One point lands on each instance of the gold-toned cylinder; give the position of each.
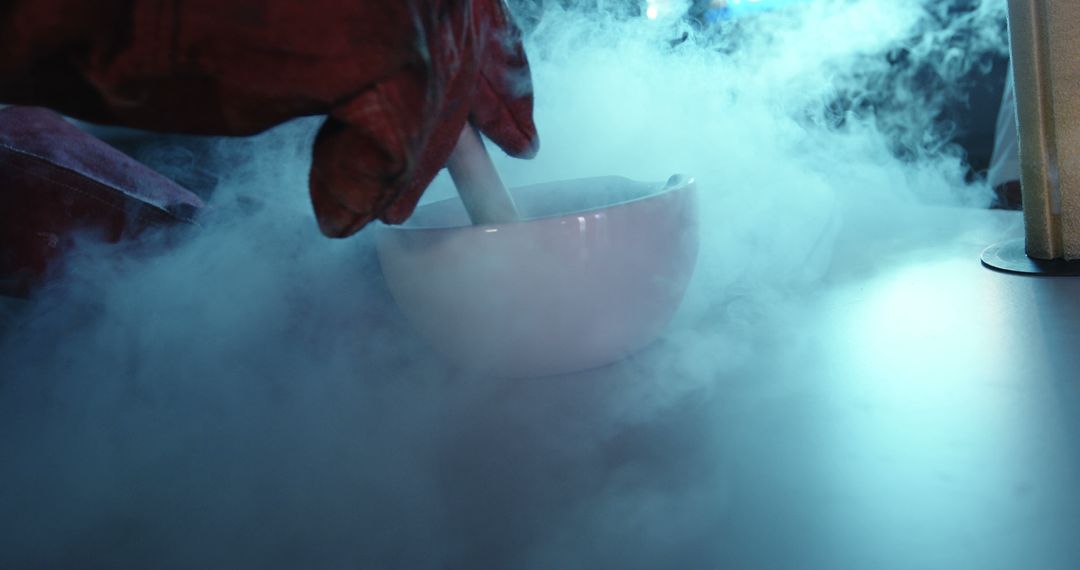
(1045, 44)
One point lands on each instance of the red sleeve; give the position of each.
(199, 66)
(47, 46)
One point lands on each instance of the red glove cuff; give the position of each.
(56, 180)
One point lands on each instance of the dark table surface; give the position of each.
(910, 409)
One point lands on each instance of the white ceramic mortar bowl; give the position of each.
(594, 272)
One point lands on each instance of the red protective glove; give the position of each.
(56, 181)
(398, 79)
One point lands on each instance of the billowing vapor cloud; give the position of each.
(246, 394)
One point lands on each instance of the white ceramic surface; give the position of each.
(594, 272)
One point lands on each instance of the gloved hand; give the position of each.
(397, 79)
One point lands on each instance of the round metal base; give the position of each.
(1010, 257)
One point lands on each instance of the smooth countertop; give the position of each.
(909, 409)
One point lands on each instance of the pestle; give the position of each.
(485, 197)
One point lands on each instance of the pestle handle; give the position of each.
(482, 191)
